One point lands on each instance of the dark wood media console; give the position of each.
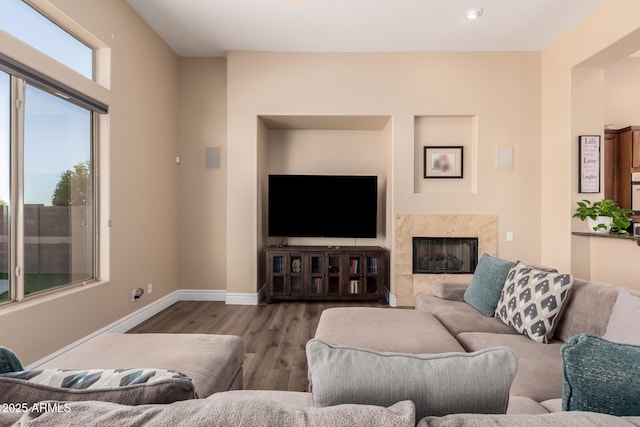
(326, 273)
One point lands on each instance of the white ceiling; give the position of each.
(213, 27)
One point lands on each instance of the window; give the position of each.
(5, 138)
(48, 181)
(27, 24)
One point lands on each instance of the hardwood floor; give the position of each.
(274, 335)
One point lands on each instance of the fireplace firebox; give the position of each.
(440, 255)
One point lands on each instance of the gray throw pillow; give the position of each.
(438, 384)
(127, 386)
(486, 285)
(624, 320)
(600, 376)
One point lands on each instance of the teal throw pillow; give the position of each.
(600, 376)
(486, 285)
(9, 362)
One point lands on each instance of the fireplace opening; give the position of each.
(439, 255)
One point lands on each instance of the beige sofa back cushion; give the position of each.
(587, 310)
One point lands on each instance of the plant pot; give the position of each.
(593, 224)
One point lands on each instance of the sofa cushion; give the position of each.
(486, 285)
(564, 419)
(438, 384)
(458, 316)
(624, 320)
(127, 386)
(539, 365)
(588, 309)
(221, 410)
(453, 291)
(532, 301)
(385, 329)
(213, 362)
(600, 376)
(525, 405)
(295, 398)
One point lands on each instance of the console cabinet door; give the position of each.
(334, 281)
(317, 274)
(355, 283)
(374, 275)
(285, 274)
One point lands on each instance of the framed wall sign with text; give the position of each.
(589, 163)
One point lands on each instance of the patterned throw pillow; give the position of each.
(532, 301)
(126, 386)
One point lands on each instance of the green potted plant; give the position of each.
(604, 216)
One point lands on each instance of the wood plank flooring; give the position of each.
(274, 335)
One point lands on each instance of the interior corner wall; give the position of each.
(501, 89)
(387, 150)
(202, 118)
(587, 118)
(143, 182)
(604, 35)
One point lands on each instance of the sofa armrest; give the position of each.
(453, 291)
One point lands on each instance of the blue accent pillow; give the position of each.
(600, 376)
(486, 285)
(9, 362)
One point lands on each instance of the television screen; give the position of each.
(323, 205)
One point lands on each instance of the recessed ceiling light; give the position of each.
(473, 13)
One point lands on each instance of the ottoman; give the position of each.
(214, 362)
(386, 330)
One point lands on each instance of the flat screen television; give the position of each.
(323, 205)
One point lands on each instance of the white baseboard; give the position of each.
(134, 319)
(201, 295)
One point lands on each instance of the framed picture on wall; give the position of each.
(443, 161)
(589, 163)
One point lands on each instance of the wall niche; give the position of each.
(439, 131)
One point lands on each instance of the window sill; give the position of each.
(11, 306)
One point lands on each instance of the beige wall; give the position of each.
(202, 114)
(139, 169)
(500, 90)
(606, 260)
(621, 86)
(582, 75)
(598, 42)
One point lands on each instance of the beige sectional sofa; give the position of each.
(357, 346)
(539, 374)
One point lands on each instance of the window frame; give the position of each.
(26, 64)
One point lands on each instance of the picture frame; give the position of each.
(443, 161)
(589, 163)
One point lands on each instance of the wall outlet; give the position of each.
(149, 288)
(136, 294)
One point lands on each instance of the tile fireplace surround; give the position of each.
(407, 284)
